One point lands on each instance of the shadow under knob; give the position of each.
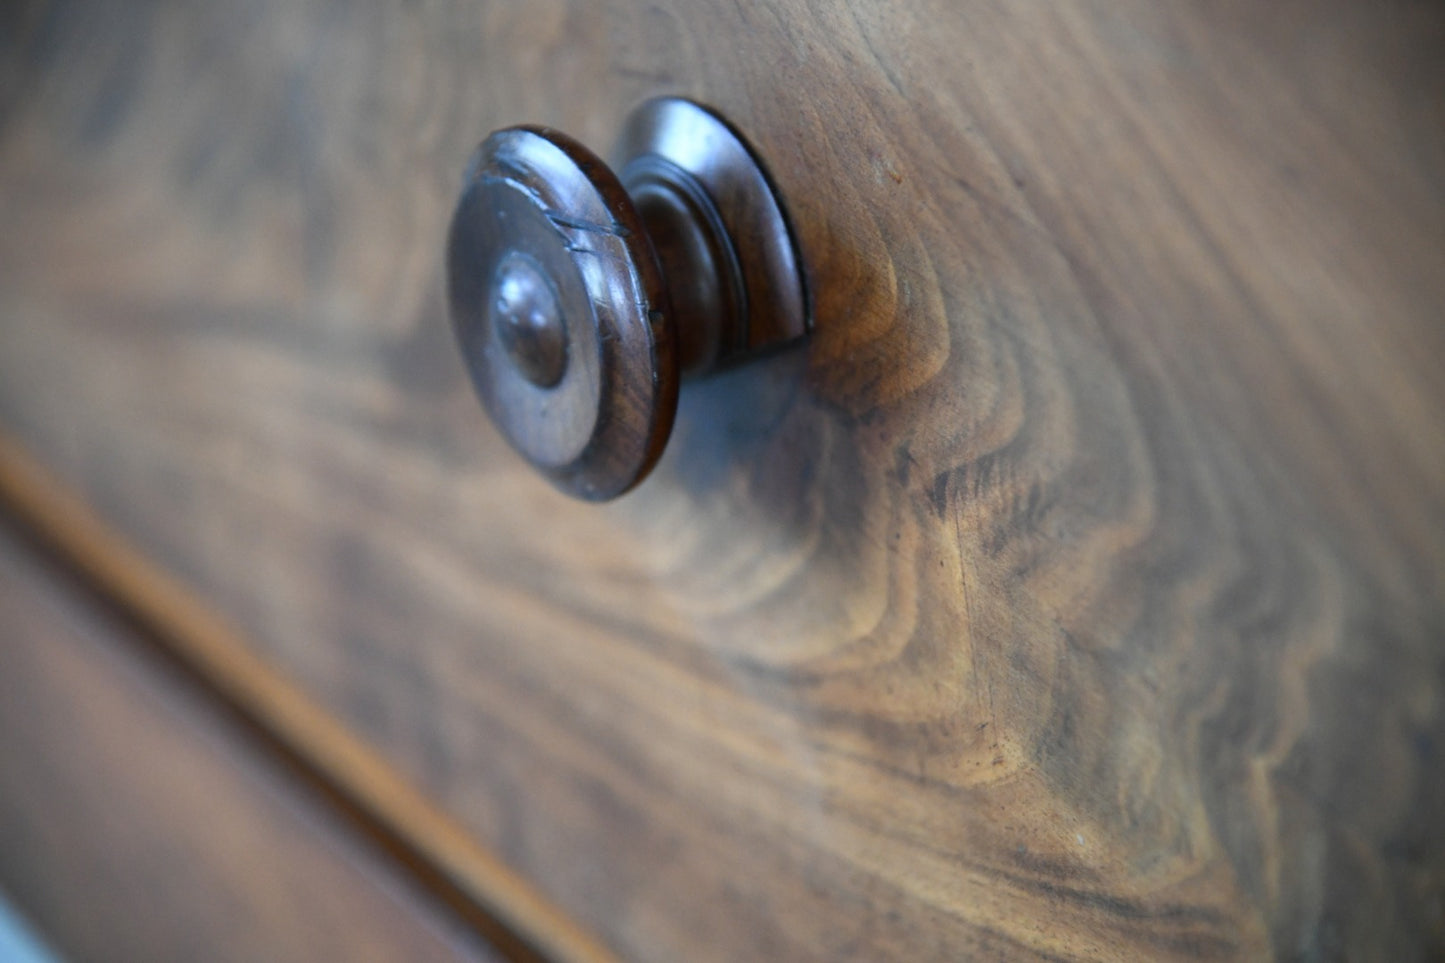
(580, 297)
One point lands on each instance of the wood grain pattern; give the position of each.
(1078, 593)
(138, 827)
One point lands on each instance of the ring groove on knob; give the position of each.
(711, 155)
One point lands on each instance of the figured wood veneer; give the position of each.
(1078, 593)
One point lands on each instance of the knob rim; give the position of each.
(537, 193)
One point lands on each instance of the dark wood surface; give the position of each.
(139, 826)
(1078, 592)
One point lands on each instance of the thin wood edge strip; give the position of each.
(432, 849)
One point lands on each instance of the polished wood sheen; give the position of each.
(580, 296)
(1078, 593)
(139, 826)
(539, 205)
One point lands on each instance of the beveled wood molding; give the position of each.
(428, 848)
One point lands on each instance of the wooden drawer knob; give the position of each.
(580, 297)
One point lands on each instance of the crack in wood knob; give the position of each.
(581, 297)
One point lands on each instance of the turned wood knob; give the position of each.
(581, 297)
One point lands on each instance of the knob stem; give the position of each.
(718, 226)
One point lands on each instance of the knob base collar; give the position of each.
(730, 258)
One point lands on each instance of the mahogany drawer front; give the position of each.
(1075, 592)
(138, 826)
